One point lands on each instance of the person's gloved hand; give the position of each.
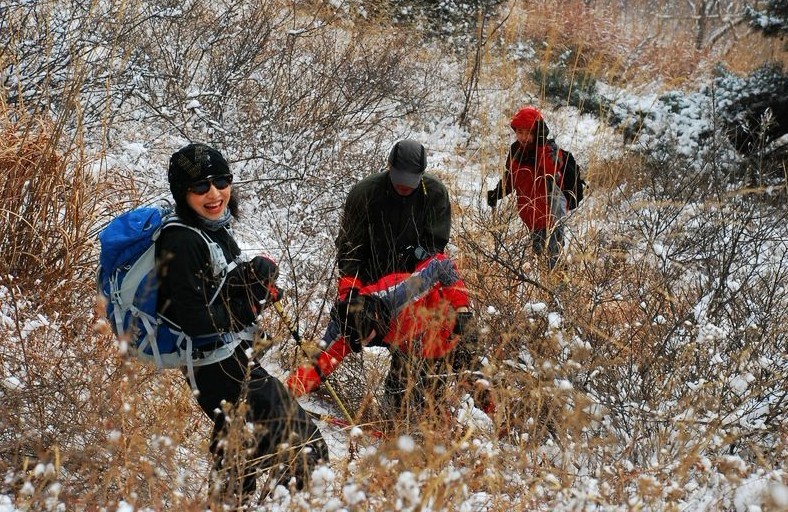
(486, 401)
(304, 380)
(353, 296)
(261, 274)
(346, 285)
(464, 354)
(263, 269)
(275, 293)
(494, 195)
(358, 317)
(492, 198)
(463, 323)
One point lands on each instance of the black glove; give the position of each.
(358, 316)
(262, 292)
(412, 255)
(494, 195)
(492, 198)
(263, 269)
(462, 323)
(352, 295)
(275, 293)
(261, 274)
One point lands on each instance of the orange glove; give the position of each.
(484, 397)
(304, 380)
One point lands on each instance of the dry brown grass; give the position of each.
(74, 410)
(638, 45)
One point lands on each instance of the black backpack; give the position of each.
(573, 185)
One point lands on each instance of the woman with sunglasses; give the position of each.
(218, 307)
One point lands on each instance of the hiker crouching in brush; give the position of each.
(285, 439)
(394, 224)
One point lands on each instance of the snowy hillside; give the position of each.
(649, 375)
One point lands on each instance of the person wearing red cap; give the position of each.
(533, 171)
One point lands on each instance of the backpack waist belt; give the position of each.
(202, 357)
(210, 348)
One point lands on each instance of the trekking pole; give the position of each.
(291, 325)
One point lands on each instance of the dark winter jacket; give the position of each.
(187, 285)
(532, 174)
(379, 225)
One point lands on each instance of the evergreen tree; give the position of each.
(772, 19)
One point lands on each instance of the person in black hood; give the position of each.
(217, 308)
(393, 219)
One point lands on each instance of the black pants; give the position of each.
(551, 241)
(413, 382)
(277, 418)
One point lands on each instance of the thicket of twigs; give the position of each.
(654, 366)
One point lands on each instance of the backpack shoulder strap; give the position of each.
(221, 267)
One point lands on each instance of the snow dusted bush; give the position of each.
(713, 128)
(455, 19)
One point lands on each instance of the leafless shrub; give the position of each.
(669, 332)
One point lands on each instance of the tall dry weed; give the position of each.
(636, 42)
(80, 425)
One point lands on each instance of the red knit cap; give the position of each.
(526, 118)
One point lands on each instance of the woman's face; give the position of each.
(211, 204)
(524, 137)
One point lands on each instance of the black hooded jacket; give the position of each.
(378, 224)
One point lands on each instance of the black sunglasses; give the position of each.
(202, 187)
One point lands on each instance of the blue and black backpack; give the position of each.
(128, 280)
